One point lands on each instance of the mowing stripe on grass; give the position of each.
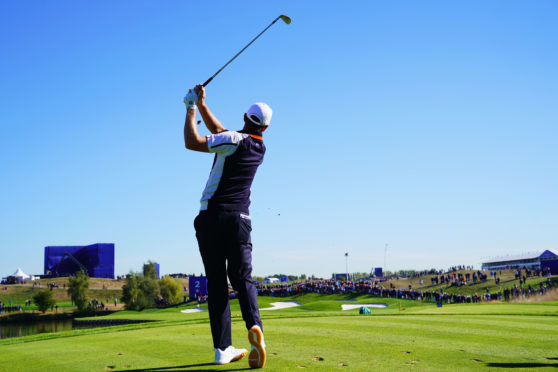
(325, 340)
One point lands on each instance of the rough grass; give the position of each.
(19, 293)
(551, 295)
(94, 283)
(507, 280)
(420, 336)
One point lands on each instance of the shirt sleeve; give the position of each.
(224, 143)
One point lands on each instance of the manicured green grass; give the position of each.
(322, 337)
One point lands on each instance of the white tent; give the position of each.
(21, 276)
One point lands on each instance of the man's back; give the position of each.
(237, 157)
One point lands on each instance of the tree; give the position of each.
(259, 279)
(44, 299)
(130, 291)
(79, 285)
(139, 292)
(149, 287)
(149, 270)
(170, 289)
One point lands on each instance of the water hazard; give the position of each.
(19, 329)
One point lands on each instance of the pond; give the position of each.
(8, 330)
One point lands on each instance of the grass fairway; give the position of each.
(316, 335)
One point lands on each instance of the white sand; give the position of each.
(276, 305)
(358, 306)
(196, 310)
(282, 305)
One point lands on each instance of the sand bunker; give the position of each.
(189, 311)
(282, 305)
(358, 306)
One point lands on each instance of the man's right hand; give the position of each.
(200, 91)
(209, 119)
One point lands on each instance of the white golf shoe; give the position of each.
(256, 359)
(230, 354)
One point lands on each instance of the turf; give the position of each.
(322, 337)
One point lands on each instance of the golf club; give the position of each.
(283, 17)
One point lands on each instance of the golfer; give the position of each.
(223, 225)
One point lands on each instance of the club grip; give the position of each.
(208, 81)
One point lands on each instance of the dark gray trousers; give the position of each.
(226, 250)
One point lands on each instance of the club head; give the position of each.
(285, 19)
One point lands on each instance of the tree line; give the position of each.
(142, 290)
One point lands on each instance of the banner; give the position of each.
(197, 286)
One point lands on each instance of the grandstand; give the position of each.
(547, 260)
(97, 260)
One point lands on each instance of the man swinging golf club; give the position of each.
(223, 224)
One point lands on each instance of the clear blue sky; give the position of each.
(431, 126)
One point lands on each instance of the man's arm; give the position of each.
(211, 122)
(192, 140)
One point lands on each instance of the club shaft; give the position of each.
(237, 54)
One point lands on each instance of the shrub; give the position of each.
(44, 300)
(170, 289)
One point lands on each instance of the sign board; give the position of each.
(341, 277)
(551, 265)
(197, 285)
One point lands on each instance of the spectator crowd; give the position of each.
(377, 288)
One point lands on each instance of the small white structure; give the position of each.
(21, 276)
(271, 280)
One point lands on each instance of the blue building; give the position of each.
(537, 261)
(97, 260)
(156, 265)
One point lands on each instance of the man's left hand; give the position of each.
(191, 99)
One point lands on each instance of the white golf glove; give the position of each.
(191, 99)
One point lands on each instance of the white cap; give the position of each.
(259, 113)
